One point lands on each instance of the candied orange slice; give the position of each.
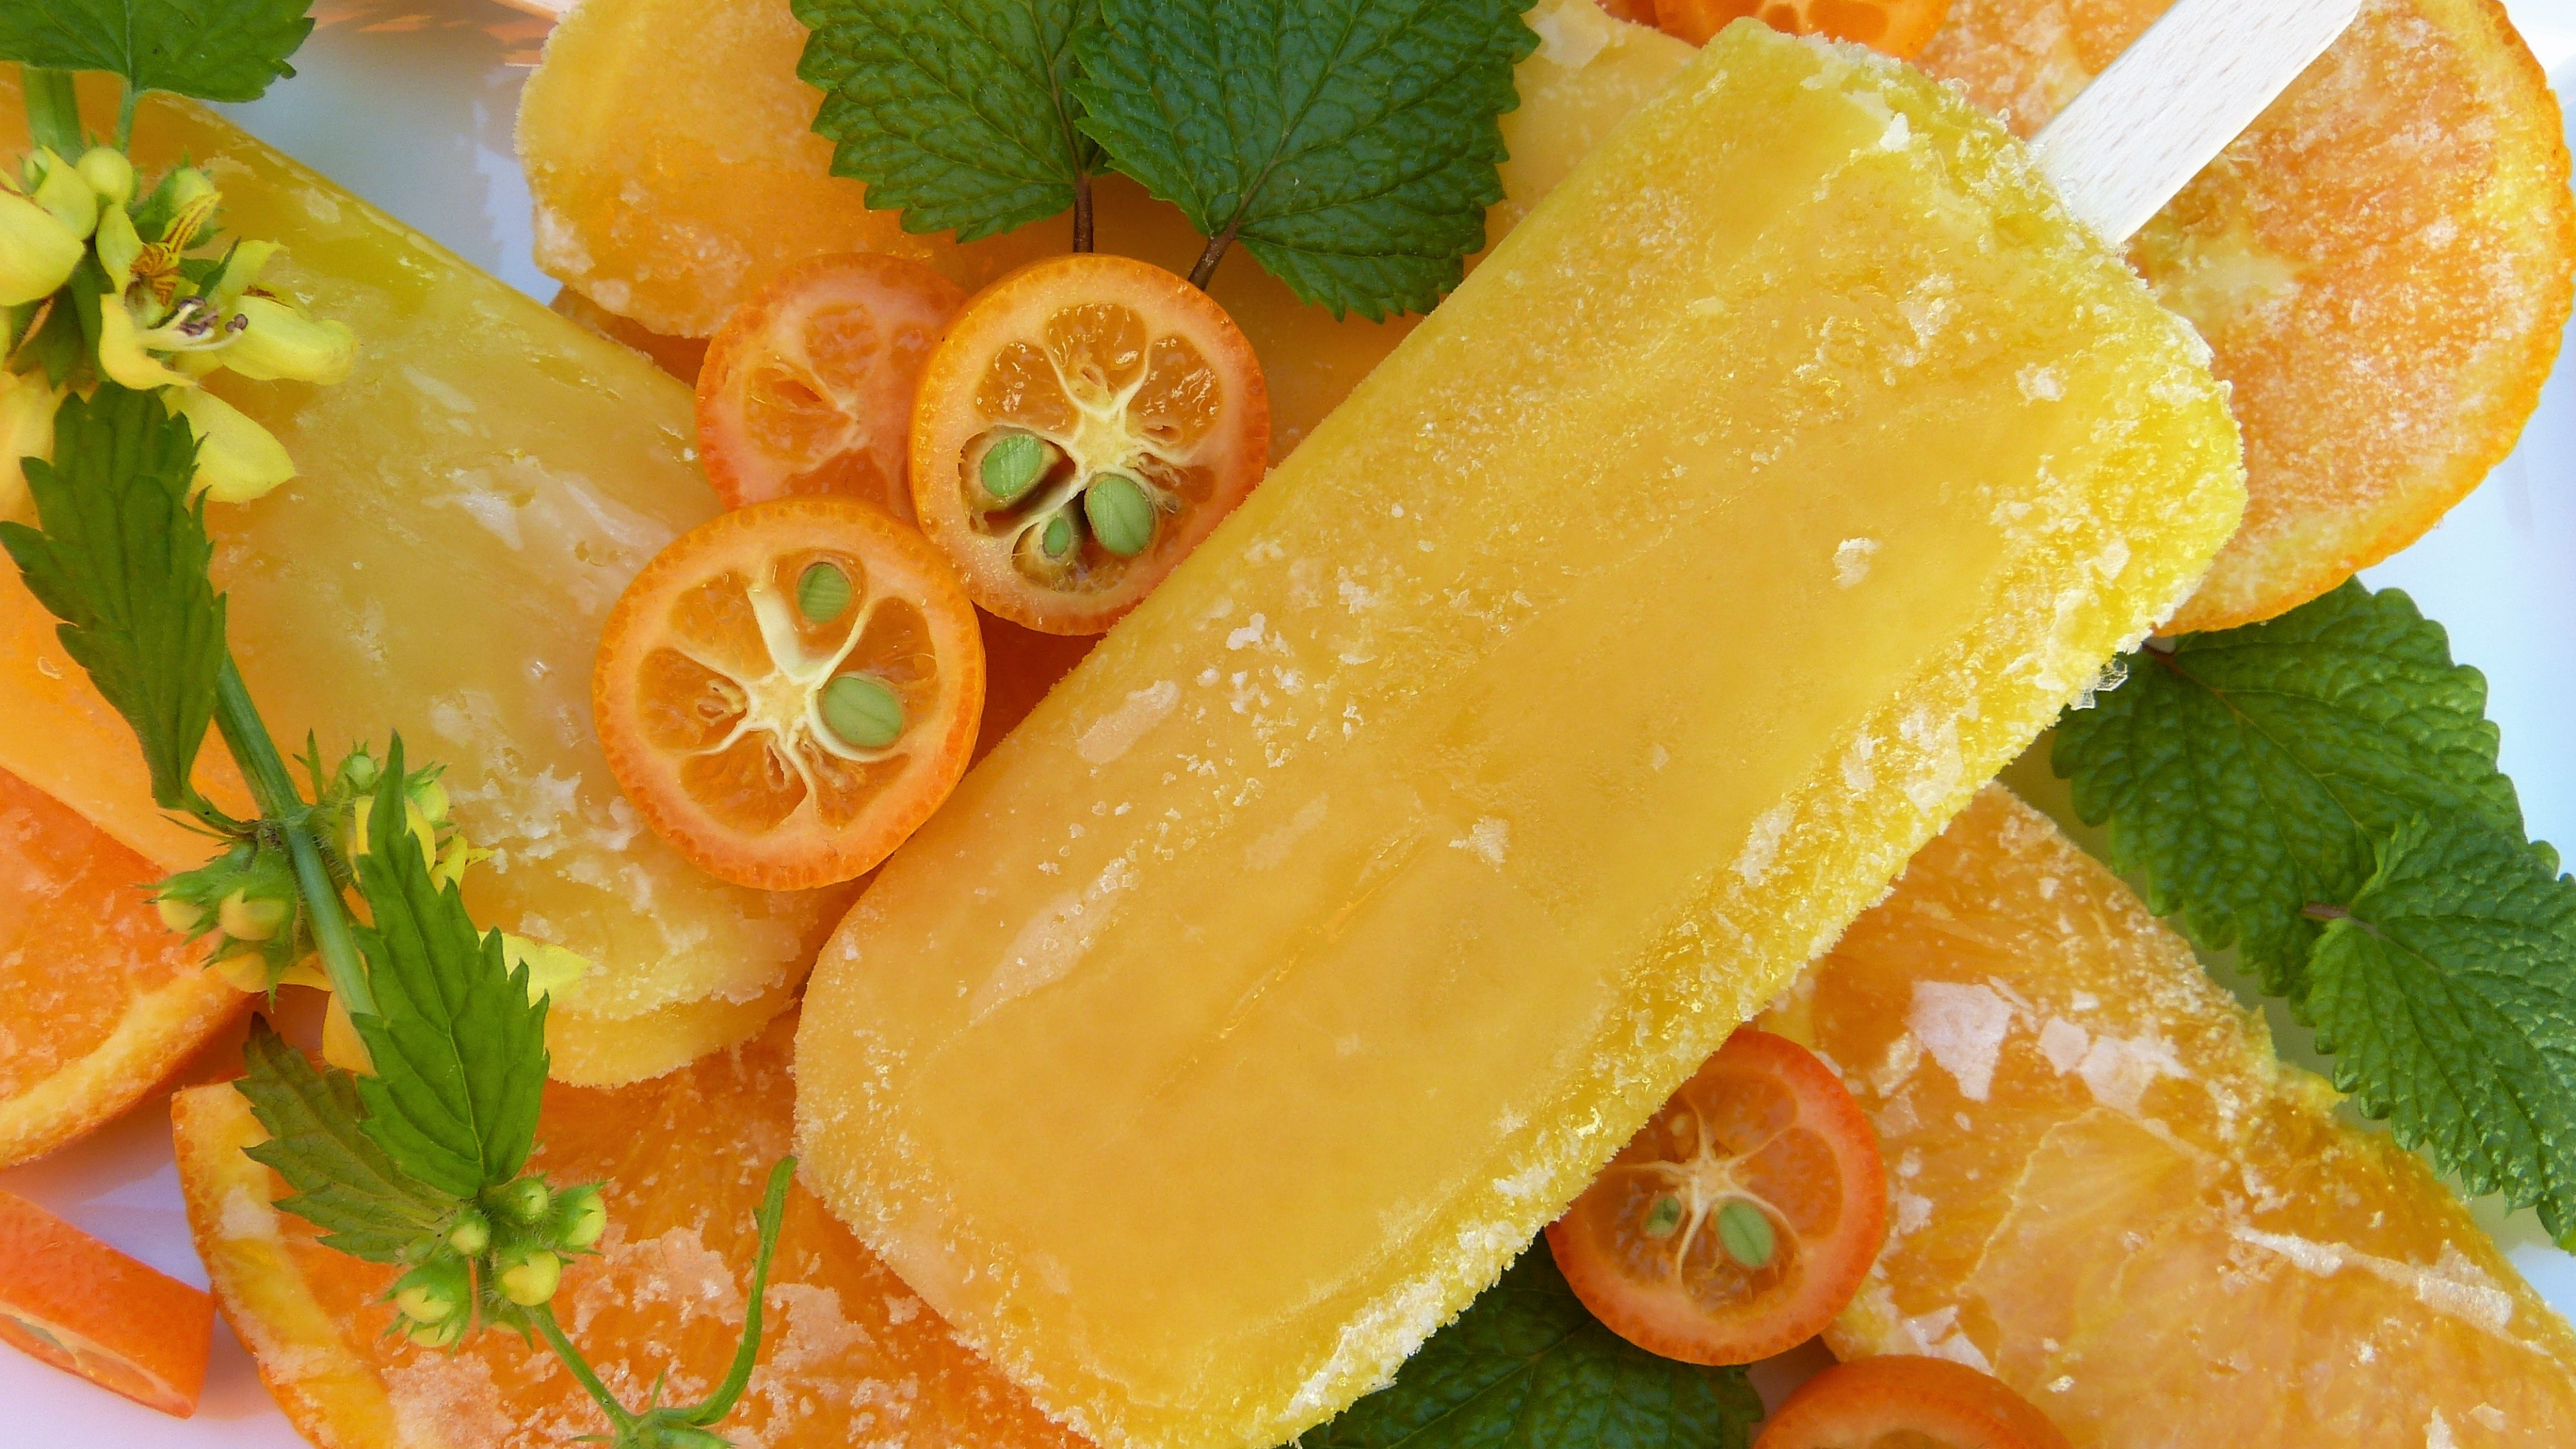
(104, 1001)
(1907, 1401)
(681, 357)
(86, 1308)
(1086, 421)
(789, 690)
(849, 1355)
(1738, 1222)
(1891, 27)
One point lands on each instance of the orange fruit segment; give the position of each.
(2381, 265)
(104, 1001)
(1907, 1401)
(1738, 1221)
(1085, 422)
(788, 690)
(1891, 27)
(808, 388)
(85, 1308)
(2108, 1190)
(850, 1356)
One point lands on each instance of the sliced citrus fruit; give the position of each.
(808, 387)
(1907, 1401)
(1891, 27)
(1086, 421)
(1737, 1223)
(2108, 1190)
(84, 1307)
(104, 1001)
(2381, 265)
(788, 690)
(679, 356)
(850, 1356)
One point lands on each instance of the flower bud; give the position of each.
(438, 1335)
(185, 917)
(436, 1291)
(188, 186)
(121, 352)
(64, 193)
(667, 1435)
(283, 340)
(244, 970)
(523, 1201)
(245, 917)
(237, 459)
(429, 796)
(581, 1215)
(37, 252)
(533, 1279)
(109, 174)
(27, 407)
(360, 769)
(471, 1233)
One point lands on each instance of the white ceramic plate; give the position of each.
(411, 106)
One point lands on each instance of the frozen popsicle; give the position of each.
(1583, 674)
(474, 498)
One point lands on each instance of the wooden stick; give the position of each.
(2174, 100)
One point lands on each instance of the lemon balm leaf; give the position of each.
(214, 50)
(958, 114)
(1528, 1364)
(342, 1182)
(459, 1049)
(1350, 145)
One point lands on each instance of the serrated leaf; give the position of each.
(2246, 774)
(2448, 998)
(214, 50)
(1350, 145)
(1528, 1365)
(121, 559)
(459, 1050)
(343, 1182)
(957, 114)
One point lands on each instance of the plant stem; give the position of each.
(279, 801)
(1208, 259)
(618, 1419)
(53, 111)
(125, 117)
(1082, 212)
(773, 1208)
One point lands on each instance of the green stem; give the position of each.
(279, 801)
(53, 111)
(773, 1209)
(125, 117)
(618, 1419)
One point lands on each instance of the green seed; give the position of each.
(1746, 1232)
(862, 711)
(822, 593)
(1058, 538)
(1664, 1216)
(1122, 518)
(1015, 463)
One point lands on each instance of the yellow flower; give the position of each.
(283, 340)
(119, 248)
(551, 968)
(122, 353)
(237, 459)
(63, 191)
(109, 174)
(37, 252)
(27, 407)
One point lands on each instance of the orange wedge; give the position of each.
(2106, 1189)
(2381, 264)
(85, 1308)
(1893, 27)
(104, 1001)
(850, 1355)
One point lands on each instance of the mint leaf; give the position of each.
(343, 1182)
(214, 50)
(459, 1050)
(958, 114)
(121, 559)
(1349, 144)
(1527, 1364)
(2448, 998)
(2247, 773)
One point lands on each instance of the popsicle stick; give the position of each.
(2174, 100)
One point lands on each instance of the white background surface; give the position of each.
(411, 105)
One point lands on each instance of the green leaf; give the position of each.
(958, 114)
(343, 1182)
(2246, 774)
(1350, 145)
(121, 560)
(2448, 998)
(214, 50)
(1528, 1365)
(459, 1050)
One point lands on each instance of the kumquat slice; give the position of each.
(1086, 421)
(807, 388)
(1891, 27)
(1909, 1401)
(86, 1308)
(789, 690)
(1741, 1219)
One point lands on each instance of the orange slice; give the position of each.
(1086, 421)
(2381, 265)
(807, 388)
(85, 1308)
(850, 1356)
(1892, 27)
(1906, 1401)
(679, 356)
(789, 690)
(1737, 1223)
(2108, 1190)
(104, 1001)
